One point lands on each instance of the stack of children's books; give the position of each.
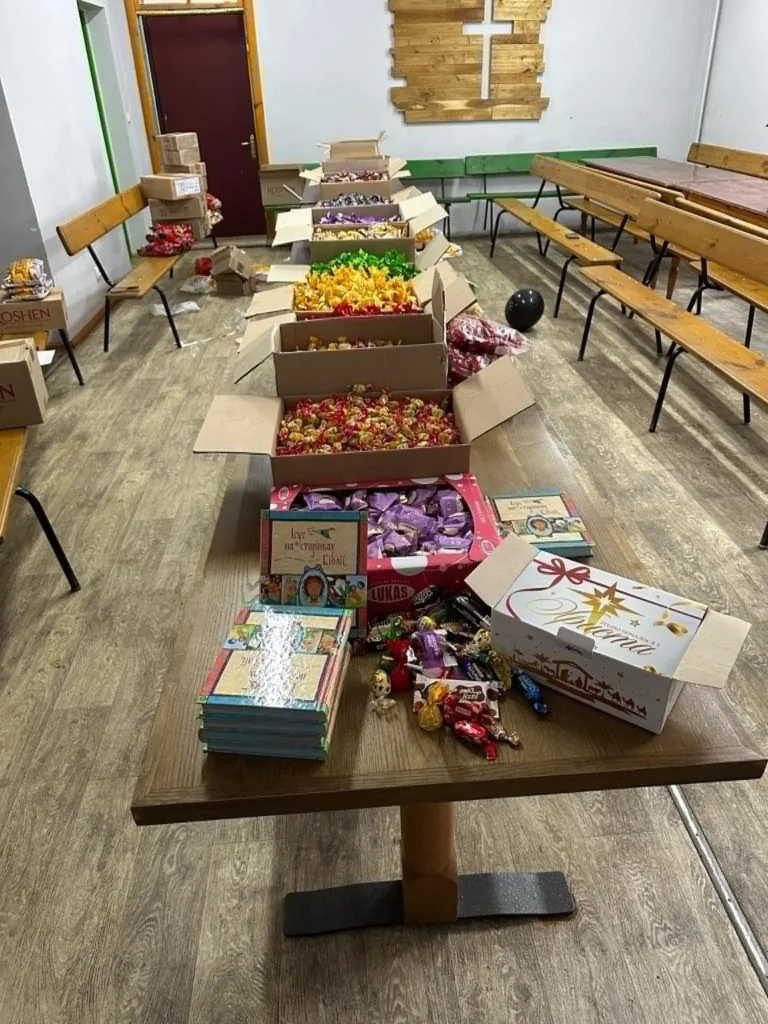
(275, 688)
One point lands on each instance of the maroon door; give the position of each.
(200, 70)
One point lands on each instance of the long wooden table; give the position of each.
(380, 761)
(740, 195)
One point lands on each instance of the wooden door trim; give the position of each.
(134, 10)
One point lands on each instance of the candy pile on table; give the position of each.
(338, 177)
(358, 422)
(442, 652)
(382, 229)
(475, 342)
(169, 239)
(346, 344)
(402, 521)
(26, 279)
(358, 282)
(355, 199)
(344, 217)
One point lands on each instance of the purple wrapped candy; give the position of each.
(420, 497)
(449, 502)
(380, 501)
(431, 646)
(446, 543)
(455, 524)
(322, 502)
(397, 544)
(412, 519)
(375, 548)
(356, 501)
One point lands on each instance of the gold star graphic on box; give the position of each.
(602, 603)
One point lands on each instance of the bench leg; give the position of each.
(169, 314)
(495, 231)
(750, 326)
(588, 324)
(214, 240)
(556, 214)
(674, 352)
(485, 214)
(659, 344)
(563, 276)
(593, 229)
(71, 353)
(764, 539)
(695, 300)
(584, 224)
(50, 534)
(107, 306)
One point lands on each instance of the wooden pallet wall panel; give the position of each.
(438, 67)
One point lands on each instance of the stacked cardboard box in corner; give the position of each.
(180, 156)
(231, 269)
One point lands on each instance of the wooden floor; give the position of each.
(101, 921)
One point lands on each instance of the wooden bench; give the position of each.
(13, 443)
(82, 232)
(440, 171)
(735, 250)
(506, 165)
(738, 160)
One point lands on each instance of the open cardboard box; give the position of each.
(354, 149)
(417, 213)
(458, 294)
(248, 425)
(622, 647)
(419, 361)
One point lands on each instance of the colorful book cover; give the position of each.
(546, 519)
(316, 560)
(280, 662)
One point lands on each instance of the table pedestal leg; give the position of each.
(430, 891)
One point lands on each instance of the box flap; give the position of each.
(240, 424)
(458, 296)
(428, 218)
(438, 304)
(258, 344)
(488, 398)
(275, 300)
(433, 252)
(280, 272)
(405, 193)
(499, 570)
(712, 653)
(313, 176)
(289, 232)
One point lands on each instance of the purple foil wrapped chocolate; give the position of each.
(420, 497)
(356, 501)
(322, 502)
(455, 524)
(447, 543)
(375, 548)
(449, 502)
(382, 500)
(398, 544)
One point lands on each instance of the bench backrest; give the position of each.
(722, 218)
(738, 160)
(92, 225)
(619, 194)
(433, 170)
(737, 250)
(520, 163)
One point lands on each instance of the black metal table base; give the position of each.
(379, 904)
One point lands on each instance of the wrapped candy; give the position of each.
(475, 342)
(380, 690)
(356, 422)
(26, 280)
(400, 676)
(531, 691)
(339, 177)
(395, 627)
(355, 199)
(380, 230)
(348, 217)
(361, 288)
(169, 239)
(429, 716)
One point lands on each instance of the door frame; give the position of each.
(136, 10)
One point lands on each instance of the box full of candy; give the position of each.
(420, 532)
(366, 435)
(613, 643)
(368, 175)
(405, 351)
(331, 233)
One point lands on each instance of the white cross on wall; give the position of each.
(487, 30)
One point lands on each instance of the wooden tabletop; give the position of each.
(668, 173)
(13, 441)
(384, 761)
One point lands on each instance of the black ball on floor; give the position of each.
(524, 309)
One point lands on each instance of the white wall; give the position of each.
(736, 112)
(619, 73)
(48, 89)
(19, 233)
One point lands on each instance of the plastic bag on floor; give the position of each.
(197, 285)
(177, 309)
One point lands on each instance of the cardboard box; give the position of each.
(177, 140)
(393, 582)
(417, 213)
(274, 178)
(179, 148)
(48, 314)
(200, 228)
(23, 395)
(233, 286)
(617, 645)
(354, 148)
(248, 424)
(193, 167)
(230, 261)
(458, 293)
(191, 208)
(419, 362)
(170, 186)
